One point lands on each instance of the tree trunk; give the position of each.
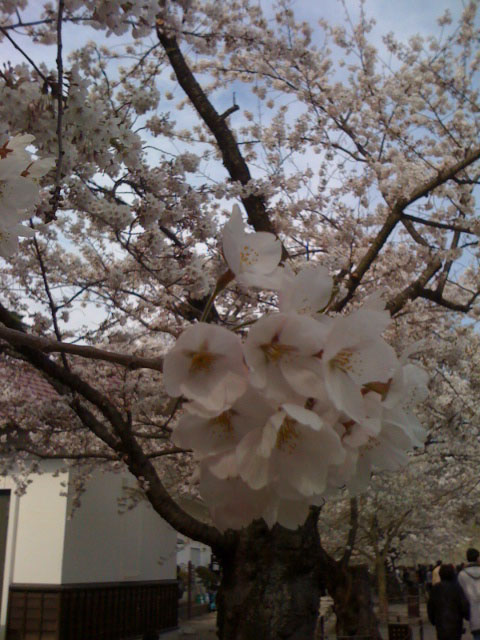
(271, 584)
(351, 592)
(382, 587)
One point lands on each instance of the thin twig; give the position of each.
(51, 301)
(55, 199)
(7, 35)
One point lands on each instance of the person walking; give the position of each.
(469, 580)
(447, 605)
(436, 572)
(429, 580)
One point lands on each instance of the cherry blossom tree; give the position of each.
(243, 294)
(415, 517)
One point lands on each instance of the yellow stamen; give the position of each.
(342, 360)
(287, 435)
(222, 424)
(202, 361)
(274, 351)
(248, 255)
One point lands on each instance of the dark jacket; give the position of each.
(447, 606)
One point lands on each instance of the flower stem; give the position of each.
(222, 282)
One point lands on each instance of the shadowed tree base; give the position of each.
(272, 581)
(270, 587)
(351, 592)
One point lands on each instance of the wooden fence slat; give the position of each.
(112, 611)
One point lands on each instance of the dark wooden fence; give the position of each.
(104, 611)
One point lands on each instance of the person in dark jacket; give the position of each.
(447, 605)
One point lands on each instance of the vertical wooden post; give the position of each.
(189, 593)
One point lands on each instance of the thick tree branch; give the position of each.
(19, 338)
(443, 175)
(409, 226)
(437, 297)
(216, 123)
(122, 441)
(396, 212)
(438, 225)
(352, 533)
(364, 264)
(416, 288)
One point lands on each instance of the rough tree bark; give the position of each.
(351, 592)
(271, 584)
(272, 581)
(381, 573)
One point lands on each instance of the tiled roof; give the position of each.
(25, 379)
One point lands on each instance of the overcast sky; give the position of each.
(404, 17)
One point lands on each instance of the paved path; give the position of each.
(203, 627)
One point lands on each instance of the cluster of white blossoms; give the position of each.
(19, 190)
(306, 404)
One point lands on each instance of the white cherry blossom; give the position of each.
(291, 453)
(233, 504)
(283, 352)
(307, 292)
(16, 195)
(206, 365)
(207, 434)
(10, 231)
(354, 355)
(400, 430)
(19, 190)
(253, 257)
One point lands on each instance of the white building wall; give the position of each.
(159, 547)
(40, 529)
(6, 483)
(96, 545)
(36, 525)
(103, 545)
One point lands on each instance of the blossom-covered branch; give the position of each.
(54, 346)
(442, 175)
(119, 438)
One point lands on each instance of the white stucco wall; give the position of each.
(159, 548)
(6, 483)
(96, 545)
(40, 530)
(36, 526)
(102, 545)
